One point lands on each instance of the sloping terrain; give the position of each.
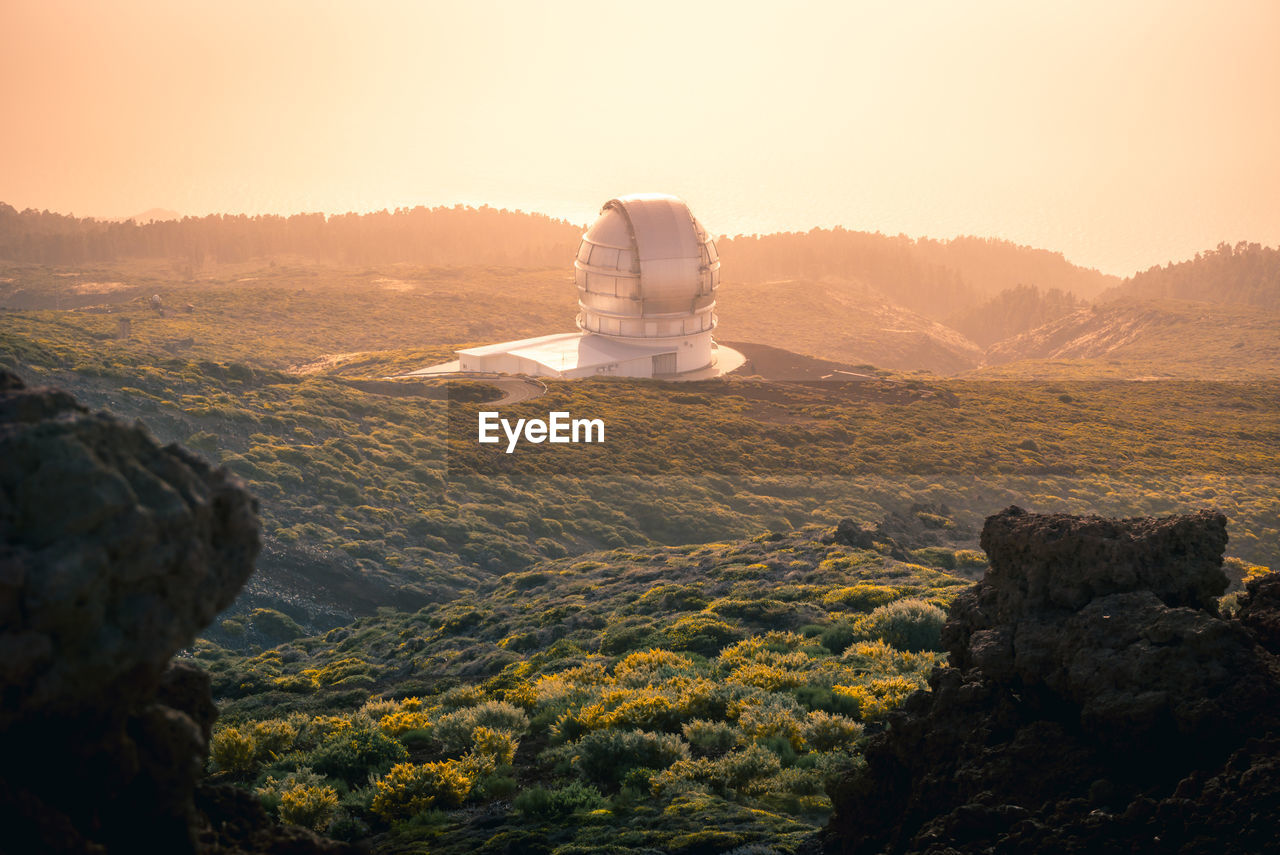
(1135, 339)
(844, 321)
(676, 699)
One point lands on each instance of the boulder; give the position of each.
(1095, 701)
(114, 554)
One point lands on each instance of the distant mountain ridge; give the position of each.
(151, 215)
(945, 306)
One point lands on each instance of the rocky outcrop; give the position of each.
(1095, 702)
(114, 553)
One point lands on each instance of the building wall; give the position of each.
(692, 353)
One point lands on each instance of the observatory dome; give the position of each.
(647, 270)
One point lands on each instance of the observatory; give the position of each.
(646, 274)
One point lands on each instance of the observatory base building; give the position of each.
(646, 274)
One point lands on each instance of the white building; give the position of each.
(647, 275)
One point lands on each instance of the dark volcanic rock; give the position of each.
(114, 553)
(1095, 702)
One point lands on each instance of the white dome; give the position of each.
(647, 269)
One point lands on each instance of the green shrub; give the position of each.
(911, 625)
(576, 797)
(353, 754)
(826, 732)
(627, 635)
(700, 633)
(837, 637)
(455, 731)
(712, 738)
(605, 756)
(935, 556)
(276, 627)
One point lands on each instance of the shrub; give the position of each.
(769, 720)
(650, 666)
(665, 599)
(272, 738)
(700, 633)
(576, 797)
(496, 744)
(233, 751)
(911, 625)
(353, 754)
(455, 730)
(276, 627)
(461, 696)
(877, 697)
(826, 732)
(627, 635)
(401, 722)
(935, 556)
(822, 698)
(409, 789)
(712, 738)
(309, 806)
(837, 637)
(741, 768)
(771, 678)
(860, 598)
(605, 756)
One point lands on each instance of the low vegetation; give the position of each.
(645, 693)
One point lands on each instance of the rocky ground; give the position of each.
(1095, 702)
(114, 553)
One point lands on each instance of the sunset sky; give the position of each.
(1123, 134)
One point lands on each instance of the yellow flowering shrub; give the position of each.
(496, 744)
(877, 697)
(272, 738)
(309, 806)
(647, 666)
(233, 751)
(769, 677)
(409, 789)
(402, 721)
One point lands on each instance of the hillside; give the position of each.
(935, 278)
(683, 699)
(1147, 339)
(375, 493)
(842, 320)
(1013, 312)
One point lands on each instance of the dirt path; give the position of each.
(513, 389)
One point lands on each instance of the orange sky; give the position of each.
(1122, 133)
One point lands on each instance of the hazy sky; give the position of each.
(1122, 133)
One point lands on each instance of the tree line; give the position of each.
(1246, 273)
(441, 236)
